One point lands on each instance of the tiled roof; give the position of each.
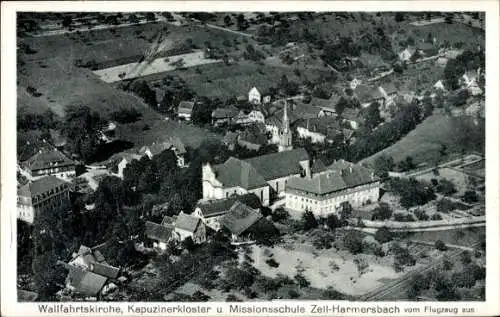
(235, 172)
(158, 147)
(339, 176)
(366, 93)
(318, 166)
(158, 232)
(281, 164)
(212, 208)
(240, 218)
(186, 107)
(226, 112)
(187, 222)
(105, 270)
(40, 186)
(327, 126)
(352, 114)
(47, 159)
(86, 282)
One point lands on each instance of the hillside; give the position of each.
(425, 142)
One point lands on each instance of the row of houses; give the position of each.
(231, 216)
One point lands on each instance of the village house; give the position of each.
(353, 117)
(173, 143)
(469, 81)
(230, 140)
(40, 195)
(49, 162)
(319, 130)
(406, 54)
(366, 95)
(185, 110)
(246, 224)
(160, 234)
(254, 96)
(187, 226)
(211, 211)
(262, 175)
(224, 115)
(254, 116)
(439, 86)
(323, 193)
(89, 273)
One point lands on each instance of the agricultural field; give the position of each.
(424, 143)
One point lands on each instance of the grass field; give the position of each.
(424, 143)
(222, 81)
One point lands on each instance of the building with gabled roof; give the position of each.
(254, 96)
(353, 117)
(324, 193)
(245, 223)
(211, 211)
(40, 195)
(224, 115)
(260, 175)
(161, 234)
(173, 143)
(49, 162)
(187, 226)
(185, 110)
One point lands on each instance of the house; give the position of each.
(254, 96)
(126, 159)
(319, 130)
(40, 195)
(83, 282)
(185, 110)
(426, 49)
(187, 226)
(323, 193)
(247, 224)
(469, 81)
(93, 260)
(254, 116)
(211, 211)
(354, 83)
(366, 95)
(49, 162)
(353, 117)
(173, 143)
(224, 115)
(439, 86)
(261, 175)
(266, 99)
(406, 54)
(441, 61)
(161, 234)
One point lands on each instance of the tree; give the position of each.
(446, 187)
(383, 164)
(141, 88)
(150, 16)
(332, 221)
(383, 235)
(470, 197)
(132, 18)
(399, 17)
(345, 211)
(440, 245)
(372, 115)
(308, 220)
(407, 164)
(67, 21)
(352, 241)
(241, 22)
(227, 20)
(383, 212)
(302, 281)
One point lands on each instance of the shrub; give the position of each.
(446, 187)
(199, 296)
(362, 265)
(402, 256)
(436, 216)
(232, 298)
(302, 281)
(352, 241)
(465, 257)
(383, 235)
(445, 205)
(463, 279)
(421, 215)
(309, 221)
(440, 245)
(331, 294)
(272, 263)
(126, 115)
(293, 294)
(324, 240)
(403, 217)
(383, 212)
(280, 214)
(447, 265)
(470, 197)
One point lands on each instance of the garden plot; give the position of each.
(159, 65)
(323, 268)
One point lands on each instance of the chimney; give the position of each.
(350, 169)
(306, 166)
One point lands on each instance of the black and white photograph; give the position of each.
(240, 156)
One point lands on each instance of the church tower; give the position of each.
(285, 142)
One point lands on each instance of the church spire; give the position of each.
(285, 142)
(286, 122)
